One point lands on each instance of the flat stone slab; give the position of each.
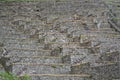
(60, 77)
(39, 68)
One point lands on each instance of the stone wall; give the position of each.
(62, 40)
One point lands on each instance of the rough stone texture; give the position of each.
(66, 59)
(60, 78)
(43, 69)
(81, 68)
(110, 71)
(63, 37)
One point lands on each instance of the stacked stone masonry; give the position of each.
(59, 40)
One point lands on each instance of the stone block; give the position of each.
(66, 59)
(106, 72)
(42, 68)
(56, 52)
(80, 68)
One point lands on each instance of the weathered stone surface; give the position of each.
(107, 71)
(56, 51)
(39, 59)
(81, 68)
(104, 72)
(47, 46)
(43, 69)
(66, 59)
(60, 78)
(41, 40)
(64, 29)
(76, 39)
(111, 56)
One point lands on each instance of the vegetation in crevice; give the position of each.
(10, 76)
(6, 64)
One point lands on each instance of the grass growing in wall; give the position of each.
(10, 76)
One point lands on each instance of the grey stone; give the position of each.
(24, 27)
(81, 68)
(66, 59)
(43, 69)
(104, 72)
(47, 46)
(56, 51)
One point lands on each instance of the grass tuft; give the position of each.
(10, 76)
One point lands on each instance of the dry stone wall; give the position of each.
(60, 40)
